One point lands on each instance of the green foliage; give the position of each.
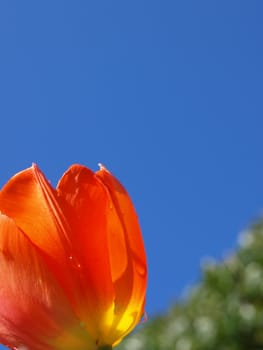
(223, 312)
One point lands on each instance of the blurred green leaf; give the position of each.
(223, 312)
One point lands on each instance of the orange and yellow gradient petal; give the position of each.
(84, 240)
(34, 313)
(127, 256)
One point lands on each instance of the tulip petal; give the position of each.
(87, 205)
(32, 203)
(85, 240)
(34, 313)
(29, 199)
(127, 254)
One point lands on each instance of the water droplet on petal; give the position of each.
(74, 262)
(141, 268)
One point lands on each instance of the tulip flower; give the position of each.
(72, 261)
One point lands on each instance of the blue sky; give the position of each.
(167, 94)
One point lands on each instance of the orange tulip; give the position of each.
(72, 261)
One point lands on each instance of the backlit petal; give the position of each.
(88, 204)
(32, 203)
(127, 254)
(33, 310)
(29, 199)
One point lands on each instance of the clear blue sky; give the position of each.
(167, 94)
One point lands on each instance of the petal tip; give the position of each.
(34, 168)
(34, 165)
(103, 168)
